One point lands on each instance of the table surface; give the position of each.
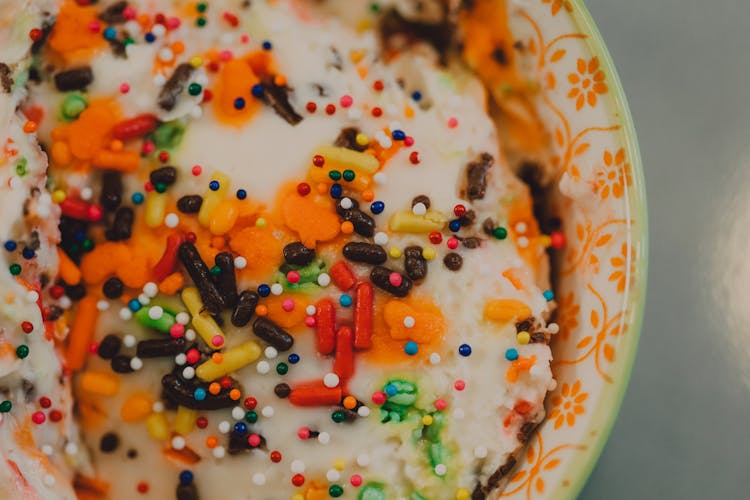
(682, 431)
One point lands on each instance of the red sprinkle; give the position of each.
(148, 186)
(251, 403)
(378, 85)
(253, 440)
(142, 487)
(207, 95)
(148, 147)
(452, 243)
(45, 402)
(94, 26)
(35, 34)
(191, 237)
(163, 156)
(293, 276)
(452, 122)
(93, 347)
(177, 330)
(298, 480)
(38, 417)
(441, 404)
(303, 433)
(376, 112)
(330, 109)
(231, 19)
(124, 87)
(275, 456)
(28, 326)
(55, 292)
(346, 101)
(414, 157)
(201, 422)
(303, 188)
(193, 356)
(459, 385)
(378, 397)
(436, 238)
(557, 240)
(459, 210)
(196, 170)
(408, 141)
(55, 415)
(318, 160)
(355, 480)
(225, 382)
(311, 107)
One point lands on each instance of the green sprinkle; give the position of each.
(349, 175)
(200, 22)
(163, 324)
(160, 187)
(194, 89)
(375, 7)
(216, 270)
(22, 351)
(372, 491)
(334, 175)
(15, 269)
(88, 245)
(251, 417)
(128, 41)
(5, 406)
(202, 7)
(168, 135)
(335, 491)
(72, 106)
(282, 368)
(338, 416)
(500, 233)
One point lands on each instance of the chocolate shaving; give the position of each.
(122, 225)
(481, 491)
(114, 14)
(277, 96)
(439, 35)
(6, 81)
(176, 84)
(476, 176)
(414, 263)
(348, 139)
(74, 79)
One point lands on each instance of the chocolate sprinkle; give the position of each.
(213, 301)
(6, 81)
(298, 254)
(113, 288)
(282, 390)
(158, 348)
(245, 308)
(476, 176)
(269, 331)
(181, 391)
(109, 442)
(414, 264)
(367, 253)
(176, 84)
(226, 281)
(114, 13)
(164, 175)
(187, 492)
(278, 98)
(109, 346)
(74, 79)
(453, 261)
(122, 225)
(111, 195)
(380, 277)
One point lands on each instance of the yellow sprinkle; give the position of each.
(136, 407)
(462, 494)
(224, 217)
(211, 199)
(59, 196)
(363, 162)
(298, 496)
(196, 61)
(427, 420)
(505, 310)
(545, 240)
(395, 252)
(155, 208)
(356, 55)
(339, 464)
(408, 222)
(523, 337)
(184, 422)
(202, 322)
(231, 360)
(156, 425)
(428, 253)
(362, 139)
(260, 222)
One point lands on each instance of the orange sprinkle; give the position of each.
(217, 358)
(408, 111)
(362, 71)
(261, 310)
(214, 388)
(347, 227)
(171, 284)
(368, 195)
(234, 394)
(116, 145)
(178, 47)
(350, 402)
(279, 80)
(322, 188)
(30, 127)
(211, 442)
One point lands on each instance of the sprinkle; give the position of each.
(435, 237)
(267, 45)
(523, 337)
(411, 348)
(311, 107)
(553, 328)
(459, 385)
(293, 358)
(500, 233)
(395, 252)
(452, 122)
(464, 350)
(276, 456)
(298, 480)
(414, 158)
(380, 178)
(331, 380)
(324, 279)
(379, 397)
(441, 404)
(381, 238)
(363, 411)
(395, 279)
(5, 406)
(263, 367)
(419, 209)
(345, 300)
(435, 358)
(377, 207)
(548, 295)
(409, 321)
(335, 490)
(330, 109)
(346, 101)
(240, 262)
(277, 289)
(428, 253)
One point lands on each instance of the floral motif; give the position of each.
(568, 404)
(614, 176)
(567, 318)
(556, 5)
(587, 83)
(621, 264)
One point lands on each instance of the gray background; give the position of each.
(683, 429)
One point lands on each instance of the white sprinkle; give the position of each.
(536, 371)
(136, 363)
(180, 359)
(219, 452)
(419, 209)
(324, 279)
(363, 411)
(71, 449)
(259, 479)
(271, 352)
(178, 442)
(354, 113)
(480, 451)
(182, 318)
(157, 407)
(331, 380)
(151, 289)
(381, 238)
(158, 30)
(441, 469)
(156, 312)
(171, 220)
(240, 262)
(102, 305)
(224, 426)
(190, 334)
(86, 193)
(383, 140)
(47, 449)
(459, 413)
(324, 438)
(159, 79)
(310, 310)
(188, 372)
(196, 112)
(166, 54)
(32, 296)
(434, 358)
(238, 413)
(144, 299)
(262, 367)
(523, 242)
(409, 321)
(521, 227)
(277, 289)
(380, 178)
(363, 460)
(125, 314)
(297, 466)
(267, 411)
(65, 302)
(553, 328)
(128, 340)
(333, 475)
(346, 203)
(49, 480)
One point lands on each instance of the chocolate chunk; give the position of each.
(245, 308)
(348, 139)
(364, 225)
(176, 84)
(467, 219)
(159, 348)
(525, 432)
(440, 35)
(164, 175)
(277, 96)
(213, 301)
(471, 242)
(111, 195)
(381, 277)
(367, 253)
(122, 225)
(453, 261)
(114, 14)
(6, 81)
(273, 334)
(109, 442)
(112, 288)
(121, 364)
(282, 390)
(187, 492)
(488, 226)
(190, 204)
(74, 79)
(226, 280)
(298, 254)
(181, 391)
(414, 264)
(476, 176)
(109, 346)
(75, 292)
(423, 199)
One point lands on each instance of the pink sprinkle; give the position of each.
(441, 404)
(217, 341)
(192, 356)
(356, 480)
(148, 187)
(310, 321)
(303, 433)
(94, 213)
(287, 305)
(395, 279)
(452, 243)
(452, 122)
(378, 397)
(346, 101)
(128, 13)
(173, 23)
(225, 55)
(93, 347)
(94, 27)
(148, 147)
(408, 141)
(244, 38)
(124, 87)
(177, 330)
(253, 440)
(197, 170)
(459, 385)
(292, 277)
(38, 417)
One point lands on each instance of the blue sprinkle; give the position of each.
(199, 394)
(28, 253)
(134, 305)
(377, 207)
(240, 428)
(10, 245)
(267, 45)
(79, 236)
(345, 300)
(411, 348)
(186, 477)
(549, 295)
(454, 225)
(391, 390)
(336, 190)
(149, 37)
(464, 350)
(264, 290)
(511, 354)
(416, 95)
(241, 194)
(257, 90)
(398, 135)
(239, 103)
(293, 358)
(110, 33)
(214, 185)
(137, 198)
